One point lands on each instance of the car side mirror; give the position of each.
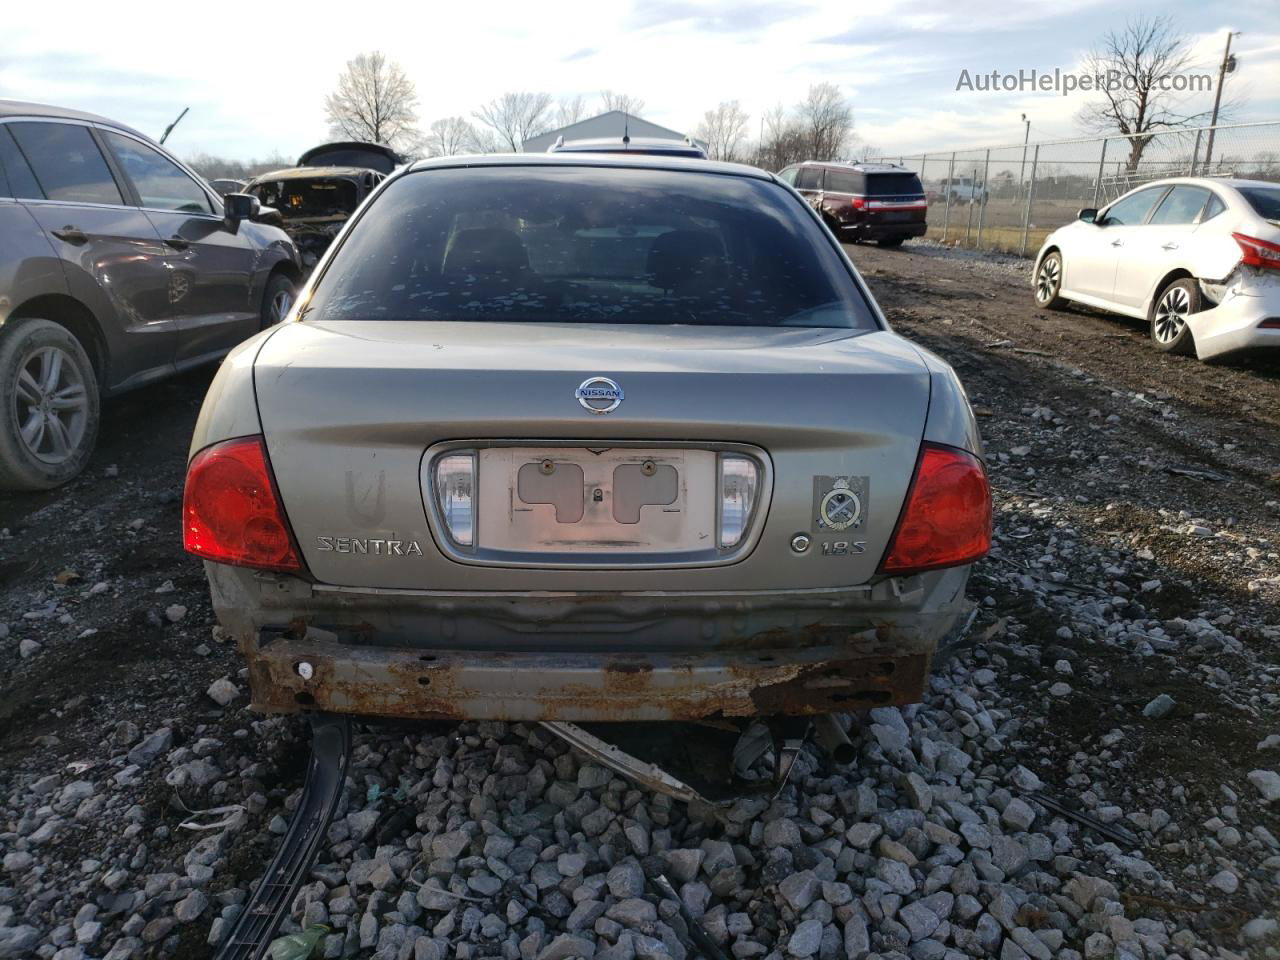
(240, 206)
(1088, 215)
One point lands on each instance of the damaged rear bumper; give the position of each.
(794, 653)
(867, 671)
(1245, 302)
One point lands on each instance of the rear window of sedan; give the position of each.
(583, 244)
(1264, 200)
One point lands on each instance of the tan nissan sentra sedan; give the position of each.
(585, 438)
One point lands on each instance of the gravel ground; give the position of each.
(1123, 663)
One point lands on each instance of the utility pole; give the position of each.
(1228, 66)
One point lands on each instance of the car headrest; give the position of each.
(486, 251)
(684, 259)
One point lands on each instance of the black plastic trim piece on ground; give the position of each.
(254, 929)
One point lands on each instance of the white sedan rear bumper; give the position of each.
(1248, 299)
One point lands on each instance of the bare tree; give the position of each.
(782, 142)
(1266, 165)
(375, 101)
(570, 110)
(213, 167)
(724, 129)
(450, 136)
(825, 119)
(515, 117)
(1139, 62)
(620, 101)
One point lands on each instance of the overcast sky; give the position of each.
(256, 81)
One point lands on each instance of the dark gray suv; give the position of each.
(118, 266)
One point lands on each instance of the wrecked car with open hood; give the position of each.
(318, 196)
(581, 437)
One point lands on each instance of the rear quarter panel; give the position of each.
(29, 266)
(230, 408)
(951, 420)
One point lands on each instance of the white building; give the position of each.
(611, 124)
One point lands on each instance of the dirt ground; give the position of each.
(1102, 450)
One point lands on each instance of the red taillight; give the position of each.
(1258, 253)
(230, 511)
(858, 203)
(947, 519)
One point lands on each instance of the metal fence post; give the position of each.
(982, 199)
(1097, 183)
(1208, 145)
(1026, 210)
(968, 207)
(946, 213)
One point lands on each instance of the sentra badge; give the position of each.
(376, 547)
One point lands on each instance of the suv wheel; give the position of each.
(49, 393)
(1049, 282)
(1169, 312)
(277, 300)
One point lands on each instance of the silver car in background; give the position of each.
(1197, 258)
(578, 437)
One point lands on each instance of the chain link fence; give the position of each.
(1010, 198)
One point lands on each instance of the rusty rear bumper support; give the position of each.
(321, 672)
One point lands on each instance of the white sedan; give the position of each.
(1198, 258)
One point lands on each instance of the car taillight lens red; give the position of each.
(858, 203)
(1258, 253)
(230, 511)
(947, 519)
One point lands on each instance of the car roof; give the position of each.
(627, 143)
(1234, 182)
(879, 168)
(575, 159)
(23, 108)
(860, 167)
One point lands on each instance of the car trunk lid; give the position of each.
(351, 409)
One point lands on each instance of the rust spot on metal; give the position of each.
(350, 675)
(844, 685)
(640, 667)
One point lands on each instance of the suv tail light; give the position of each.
(1258, 253)
(947, 518)
(231, 512)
